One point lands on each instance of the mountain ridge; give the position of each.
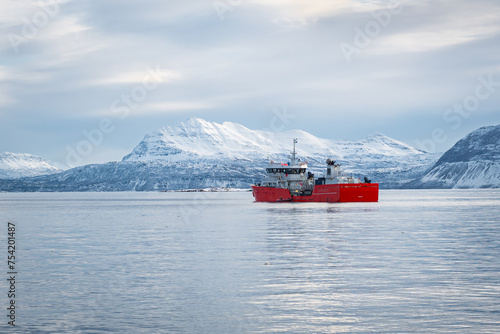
(197, 137)
(17, 165)
(473, 162)
(200, 154)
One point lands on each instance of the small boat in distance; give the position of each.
(291, 182)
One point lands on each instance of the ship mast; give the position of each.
(294, 153)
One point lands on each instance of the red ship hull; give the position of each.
(342, 192)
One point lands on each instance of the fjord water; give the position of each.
(425, 261)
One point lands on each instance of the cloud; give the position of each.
(265, 53)
(445, 25)
(134, 77)
(320, 9)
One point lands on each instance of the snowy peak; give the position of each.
(16, 165)
(197, 138)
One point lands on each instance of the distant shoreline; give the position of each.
(213, 190)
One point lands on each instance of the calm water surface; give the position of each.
(416, 262)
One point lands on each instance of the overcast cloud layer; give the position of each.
(423, 72)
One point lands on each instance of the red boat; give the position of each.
(290, 182)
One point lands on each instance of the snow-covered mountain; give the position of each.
(199, 141)
(197, 138)
(201, 154)
(473, 162)
(16, 165)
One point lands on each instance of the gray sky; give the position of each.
(423, 72)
